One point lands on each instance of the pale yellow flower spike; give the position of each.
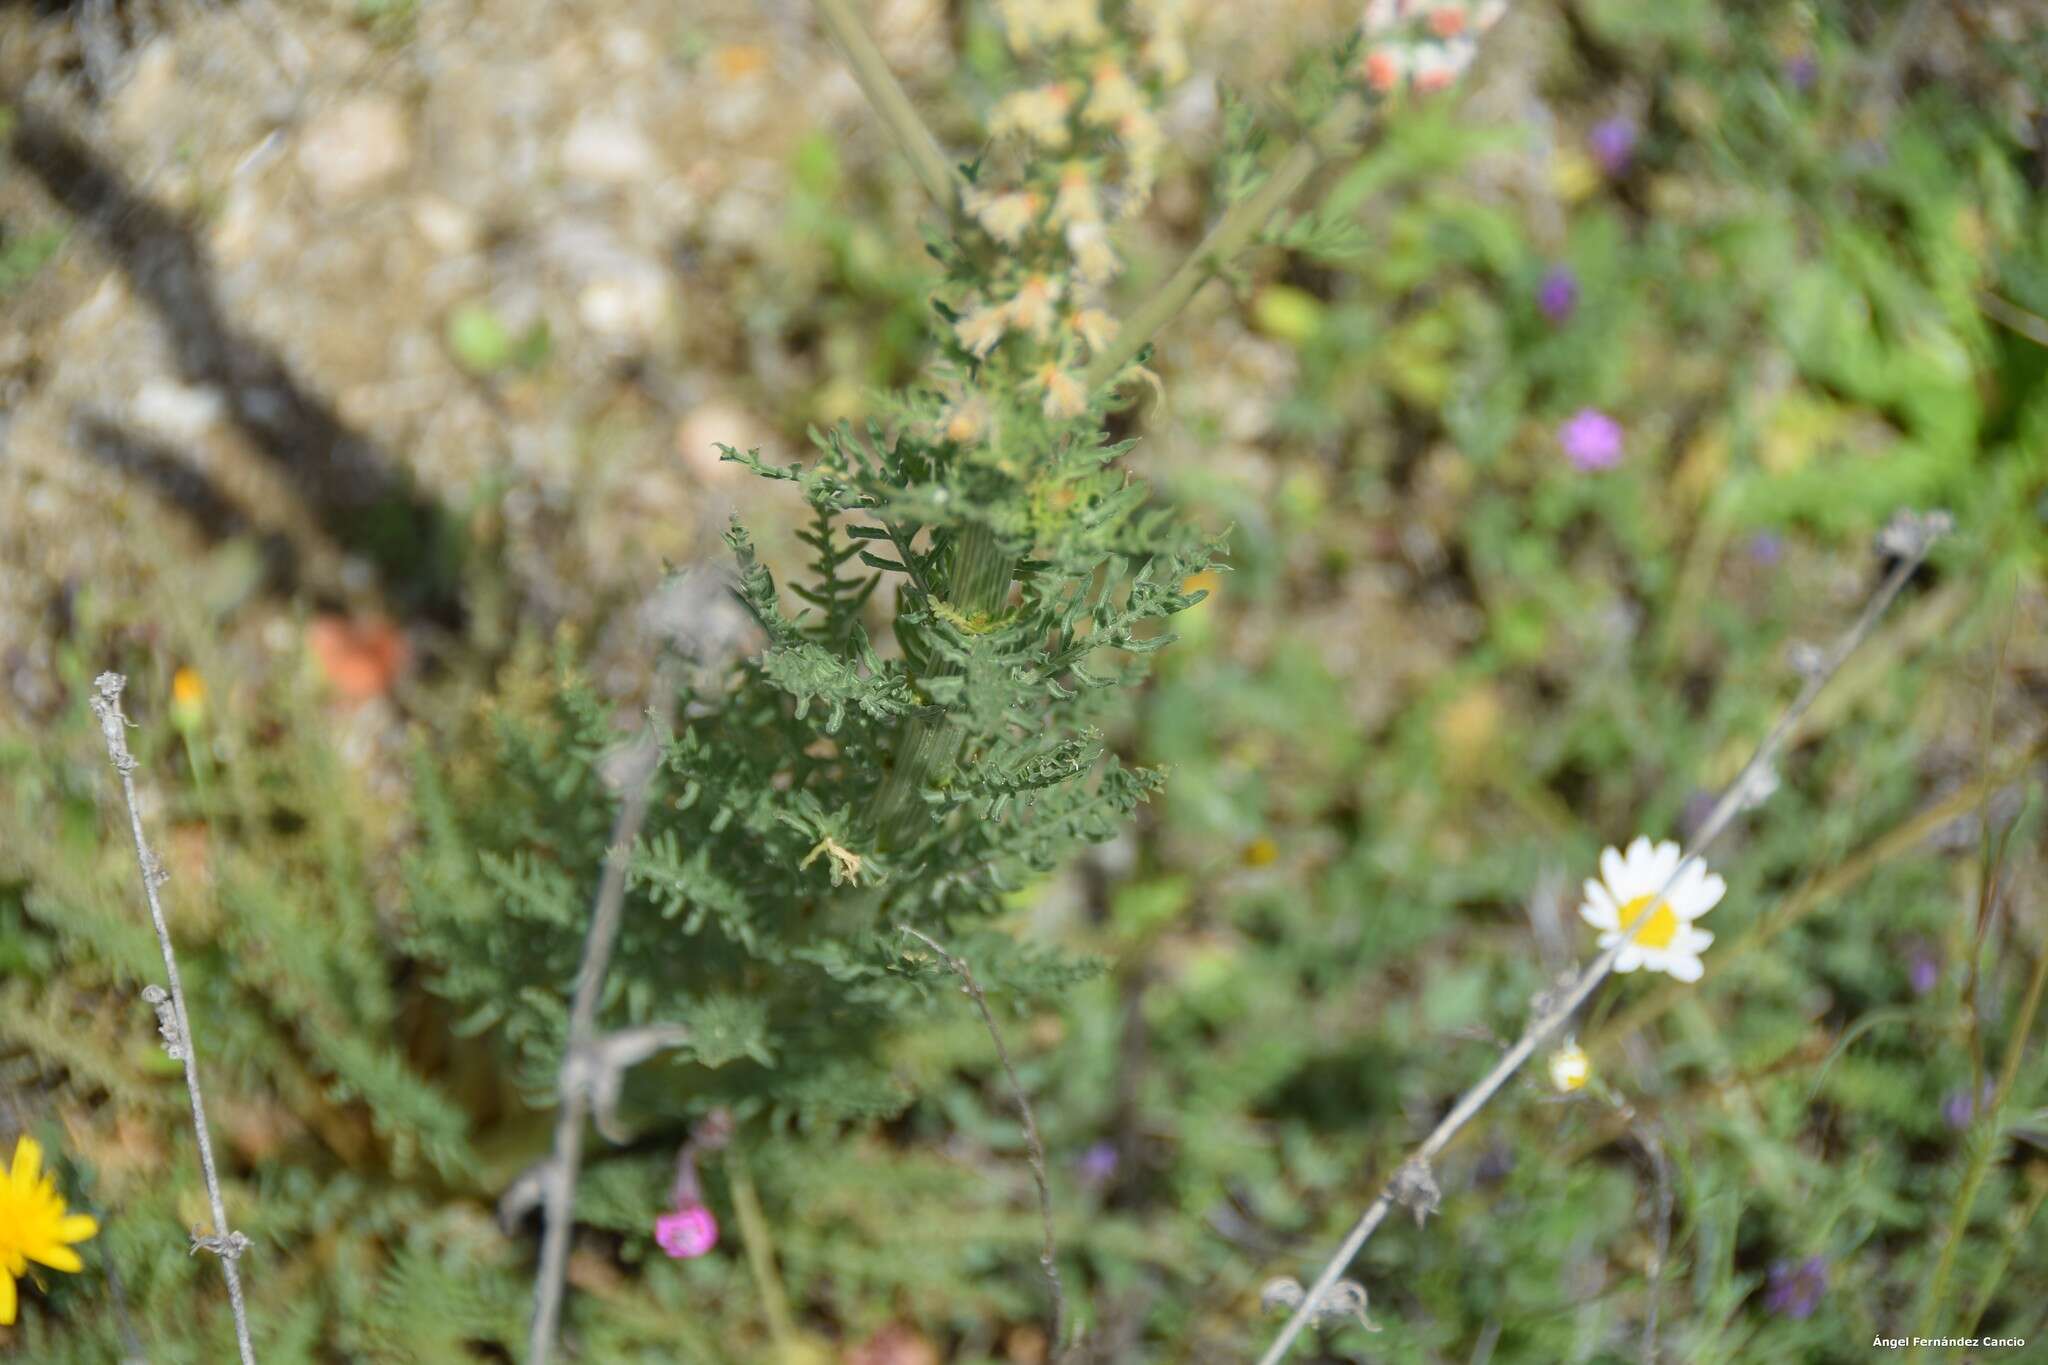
(34, 1225)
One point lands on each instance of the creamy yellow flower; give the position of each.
(1095, 327)
(980, 329)
(1032, 309)
(1095, 260)
(1076, 201)
(1040, 114)
(34, 1225)
(1626, 894)
(1064, 396)
(1113, 96)
(1006, 217)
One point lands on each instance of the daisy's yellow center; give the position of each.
(1662, 926)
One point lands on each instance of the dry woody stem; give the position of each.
(172, 1020)
(1048, 1253)
(636, 773)
(1909, 537)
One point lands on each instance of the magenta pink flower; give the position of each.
(1591, 439)
(687, 1231)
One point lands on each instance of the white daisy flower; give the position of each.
(1621, 898)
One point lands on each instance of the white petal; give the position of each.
(1685, 888)
(1690, 940)
(1663, 862)
(1685, 967)
(1609, 939)
(1630, 958)
(1599, 909)
(1712, 888)
(1615, 871)
(1639, 853)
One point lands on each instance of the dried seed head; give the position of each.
(1415, 1189)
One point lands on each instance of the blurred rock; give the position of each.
(354, 147)
(179, 411)
(607, 151)
(448, 228)
(698, 435)
(139, 108)
(628, 307)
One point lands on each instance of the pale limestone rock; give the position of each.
(354, 147)
(607, 151)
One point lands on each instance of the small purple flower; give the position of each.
(1099, 1163)
(1767, 548)
(1558, 295)
(1591, 440)
(1795, 1290)
(686, 1232)
(1802, 71)
(1923, 968)
(1958, 1110)
(1613, 142)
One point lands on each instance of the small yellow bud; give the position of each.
(188, 698)
(1570, 1068)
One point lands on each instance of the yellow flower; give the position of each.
(33, 1224)
(188, 698)
(1570, 1068)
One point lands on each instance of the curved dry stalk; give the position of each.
(1910, 537)
(940, 180)
(1048, 1254)
(172, 1020)
(635, 775)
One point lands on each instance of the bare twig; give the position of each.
(885, 93)
(1909, 537)
(1047, 1256)
(172, 1019)
(635, 774)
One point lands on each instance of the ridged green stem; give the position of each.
(926, 747)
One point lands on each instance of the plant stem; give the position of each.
(761, 1255)
(223, 1242)
(978, 584)
(1048, 1257)
(2006, 1253)
(940, 180)
(1741, 793)
(1985, 1147)
(558, 1221)
(1232, 233)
